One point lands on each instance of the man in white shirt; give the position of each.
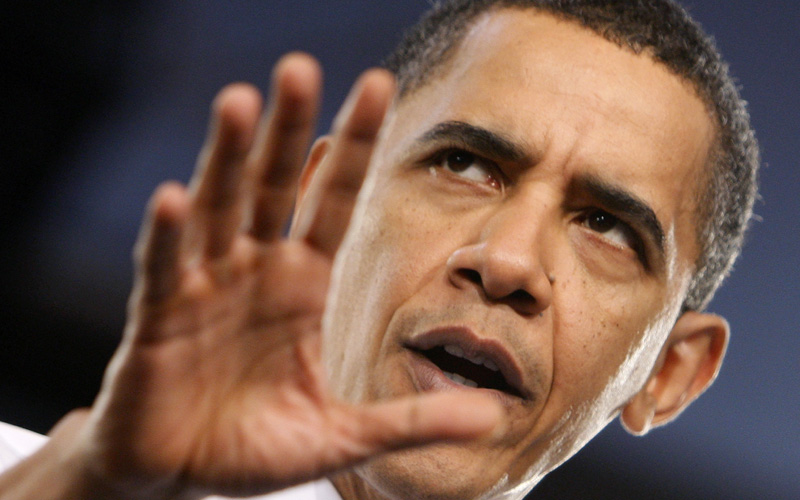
(555, 193)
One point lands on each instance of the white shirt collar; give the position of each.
(318, 490)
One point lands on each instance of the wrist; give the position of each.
(65, 469)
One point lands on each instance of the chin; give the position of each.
(438, 472)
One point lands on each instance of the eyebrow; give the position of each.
(477, 138)
(636, 210)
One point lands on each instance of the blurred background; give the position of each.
(101, 101)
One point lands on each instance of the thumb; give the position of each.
(428, 418)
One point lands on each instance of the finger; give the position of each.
(158, 249)
(217, 199)
(279, 155)
(331, 199)
(419, 420)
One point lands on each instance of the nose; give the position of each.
(505, 263)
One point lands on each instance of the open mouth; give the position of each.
(476, 371)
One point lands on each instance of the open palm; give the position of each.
(218, 386)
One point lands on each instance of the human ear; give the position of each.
(687, 365)
(315, 158)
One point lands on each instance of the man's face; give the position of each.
(529, 209)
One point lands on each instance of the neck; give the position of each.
(351, 486)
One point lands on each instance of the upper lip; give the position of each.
(474, 346)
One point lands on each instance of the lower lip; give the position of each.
(429, 378)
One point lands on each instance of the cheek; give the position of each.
(405, 234)
(395, 246)
(393, 249)
(598, 327)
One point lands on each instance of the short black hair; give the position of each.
(665, 31)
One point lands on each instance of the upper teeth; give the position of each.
(458, 352)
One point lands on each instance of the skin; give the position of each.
(220, 383)
(437, 247)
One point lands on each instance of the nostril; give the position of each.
(521, 295)
(472, 276)
(519, 300)
(522, 301)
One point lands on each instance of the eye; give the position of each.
(612, 228)
(471, 167)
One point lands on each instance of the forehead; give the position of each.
(578, 104)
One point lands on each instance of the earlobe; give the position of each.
(637, 416)
(319, 150)
(687, 365)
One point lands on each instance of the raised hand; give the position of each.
(218, 385)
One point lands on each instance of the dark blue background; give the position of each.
(104, 100)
